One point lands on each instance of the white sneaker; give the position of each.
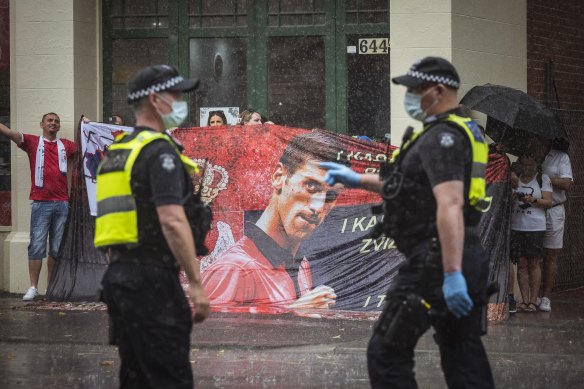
(30, 294)
(545, 305)
(538, 301)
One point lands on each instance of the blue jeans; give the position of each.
(47, 218)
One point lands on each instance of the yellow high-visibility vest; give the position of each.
(117, 219)
(477, 194)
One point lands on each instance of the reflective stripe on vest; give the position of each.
(477, 193)
(117, 220)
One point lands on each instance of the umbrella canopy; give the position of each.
(517, 142)
(514, 108)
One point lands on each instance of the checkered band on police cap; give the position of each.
(430, 69)
(158, 78)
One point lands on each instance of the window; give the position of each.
(295, 61)
(129, 56)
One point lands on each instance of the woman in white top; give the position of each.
(531, 198)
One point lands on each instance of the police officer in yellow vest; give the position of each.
(143, 187)
(434, 193)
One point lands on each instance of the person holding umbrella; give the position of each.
(556, 164)
(526, 122)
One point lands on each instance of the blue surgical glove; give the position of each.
(342, 174)
(456, 294)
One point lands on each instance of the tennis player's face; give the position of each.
(305, 200)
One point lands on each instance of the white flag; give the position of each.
(95, 139)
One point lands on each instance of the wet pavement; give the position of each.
(68, 349)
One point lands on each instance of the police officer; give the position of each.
(433, 195)
(143, 192)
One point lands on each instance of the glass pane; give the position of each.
(242, 21)
(296, 81)
(373, 5)
(351, 5)
(352, 18)
(220, 64)
(145, 7)
(139, 14)
(296, 12)
(367, 11)
(140, 23)
(296, 20)
(129, 56)
(273, 6)
(273, 21)
(301, 6)
(368, 96)
(217, 13)
(373, 17)
(218, 21)
(5, 194)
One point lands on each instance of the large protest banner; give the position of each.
(282, 239)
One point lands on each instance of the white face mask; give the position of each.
(177, 116)
(413, 105)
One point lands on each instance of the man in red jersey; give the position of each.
(47, 155)
(265, 268)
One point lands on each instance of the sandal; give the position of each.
(527, 307)
(531, 307)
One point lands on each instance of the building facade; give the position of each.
(302, 63)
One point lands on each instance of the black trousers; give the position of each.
(153, 319)
(464, 361)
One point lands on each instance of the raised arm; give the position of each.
(13, 135)
(341, 174)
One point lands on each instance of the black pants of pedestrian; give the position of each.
(153, 320)
(464, 361)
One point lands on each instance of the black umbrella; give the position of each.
(514, 108)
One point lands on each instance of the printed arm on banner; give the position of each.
(320, 297)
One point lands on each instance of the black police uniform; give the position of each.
(141, 286)
(443, 153)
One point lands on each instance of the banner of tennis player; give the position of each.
(283, 239)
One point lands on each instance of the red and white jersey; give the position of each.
(55, 183)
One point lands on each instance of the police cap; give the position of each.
(429, 69)
(158, 78)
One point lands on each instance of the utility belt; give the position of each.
(408, 315)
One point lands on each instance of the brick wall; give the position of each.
(555, 31)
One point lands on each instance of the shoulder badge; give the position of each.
(446, 140)
(168, 162)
